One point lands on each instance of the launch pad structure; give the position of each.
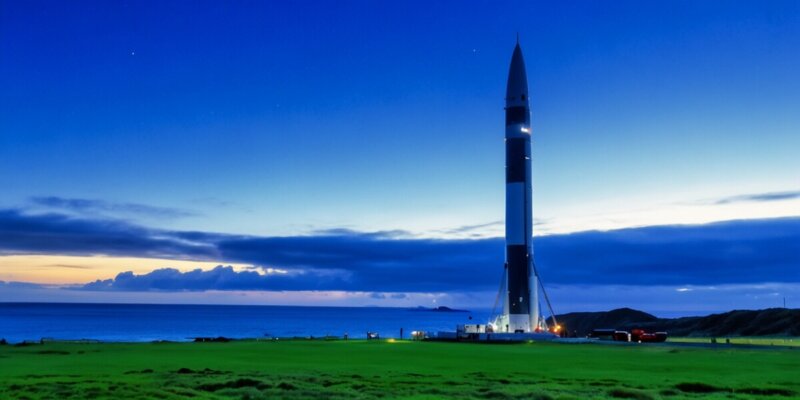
(521, 317)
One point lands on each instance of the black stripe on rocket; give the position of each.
(517, 159)
(518, 280)
(517, 115)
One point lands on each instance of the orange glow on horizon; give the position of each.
(63, 270)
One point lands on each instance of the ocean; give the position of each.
(150, 322)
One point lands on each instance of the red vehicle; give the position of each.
(640, 336)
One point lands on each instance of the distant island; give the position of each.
(438, 309)
(768, 322)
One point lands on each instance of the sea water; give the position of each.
(150, 322)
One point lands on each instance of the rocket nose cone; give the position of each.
(517, 88)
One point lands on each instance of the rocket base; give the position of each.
(459, 336)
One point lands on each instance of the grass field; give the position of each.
(420, 370)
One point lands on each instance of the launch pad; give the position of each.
(494, 337)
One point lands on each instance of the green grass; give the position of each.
(757, 341)
(361, 369)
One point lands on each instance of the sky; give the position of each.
(351, 152)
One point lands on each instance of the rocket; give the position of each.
(521, 308)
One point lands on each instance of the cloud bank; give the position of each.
(101, 207)
(51, 233)
(219, 278)
(734, 252)
(760, 197)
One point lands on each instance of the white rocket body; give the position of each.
(521, 311)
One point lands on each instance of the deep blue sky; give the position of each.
(348, 111)
(286, 118)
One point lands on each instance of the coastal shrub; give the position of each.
(621, 393)
(766, 391)
(247, 393)
(697, 387)
(493, 394)
(236, 384)
(537, 396)
(601, 383)
(55, 352)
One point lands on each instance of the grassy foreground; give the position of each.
(360, 369)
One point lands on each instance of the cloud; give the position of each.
(746, 251)
(51, 233)
(68, 266)
(20, 285)
(734, 252)
(760, 197)
(101, 207)
(383, 296)
(396, 233)
(375, 262)
(472, 228)
(218, 278)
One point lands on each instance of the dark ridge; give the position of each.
(585, 322)
(220, 339)
(768, 322)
